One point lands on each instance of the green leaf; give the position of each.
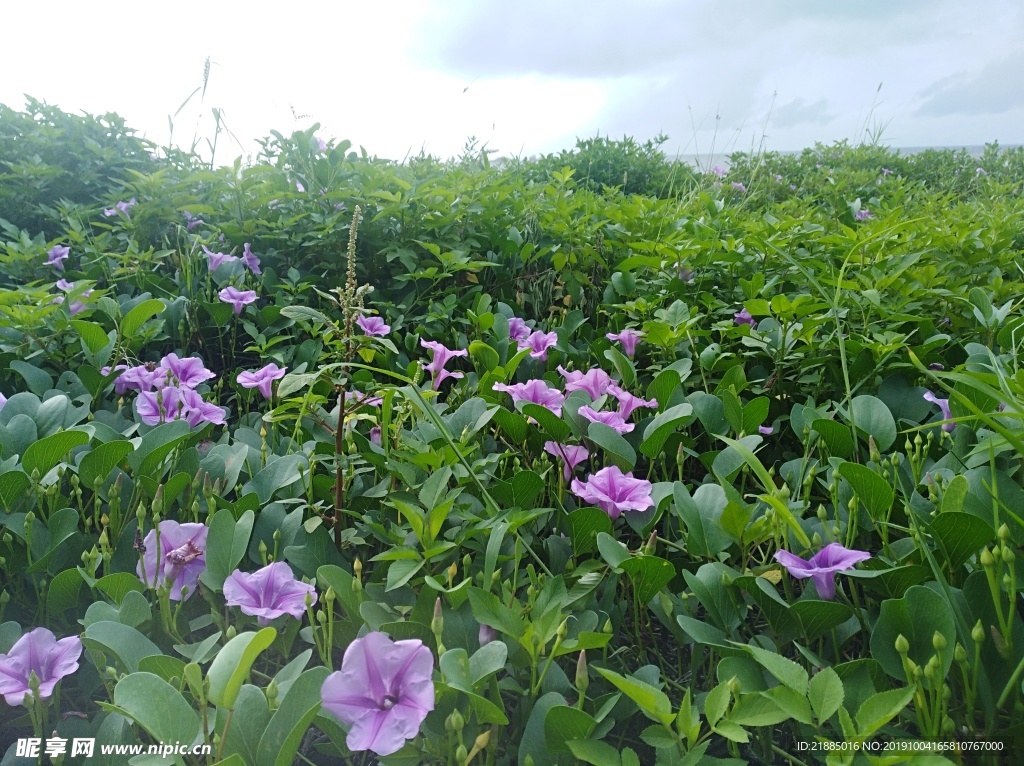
(512, 423)
(290, 722)
(249, 722)
(47, 452)
(837, 437)
(231, 666)
(62, 593)
(960, 535)
(138, 316)
(954, 495)
(917, 617)
(661, 389)
(594, 752)
(702, 515)
(281, 473)
(226, 545)
(563, 723)
(872, 417)
(37, 379)
(400, 572)
(785, 670)
(817, 617)
(871, 489)
(881, 708)
(716, 703)
(123, 642)
(97, 464)
(584, 526)
(533, 742)
(549, 422)
(618, 449)
(157, 707)
(12, 486)
(94, 336)
(120, 584)
(488, 610)
(653, 702)
(487, 660)
(826, 694)
(649, 574)
(157, 444)
(163, 666)
(662, 426)
(623, 366)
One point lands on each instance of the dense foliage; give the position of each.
(593, 458)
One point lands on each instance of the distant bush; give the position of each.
(48, 157)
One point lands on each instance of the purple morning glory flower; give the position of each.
(373, 326)
(39, 652)
(180, 560)
(299, 187)
(822, 566)
(744, 317)
(685, 274)
(539, 343)
(263, 378)
(189, 372)
(77, 307)
(120, 207)
(628, 402)
(383, 691)
(486, 634)
(863, 214)
(593, 382)
(250, 260)
(63, 284)
(611, 419)
(218, 259)
(356, 399)
(944, 406)
(718, 170)
(571, 456)
(58, 254)
(160, 406)
(765, 430)
(440, 356)
(238, 299)
(139, 378)
(191, 221)
(517, 329)
(536, 392)
(3, 401)
(268, 593)
(737, 186)
(886, 171)
(375, 434)
(320, 143)
(628, 338)
(196, 411)
(614, 492)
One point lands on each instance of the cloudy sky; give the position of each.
(526, 77)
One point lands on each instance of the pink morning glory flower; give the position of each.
(196, 411)
(517, 329)
(539, 343)
(39, 652)
(263, 378)
(944, 406)
(744, 317)
(822, 566)
(628, 402)
(628, 338)
(571, 456)
(160, 406)
(268, 593)
(238, 299)
(180, 559)
(218, 259)
(373, 326)
(536, 392)
(611, 419)
(189, 372)
(593, 382)
(440, 356)
(614, 492)
(383, 691)
(250, 260)
(58, 254)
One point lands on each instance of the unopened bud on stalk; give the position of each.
(960, 654)
(453, 570)
(978, 633)
(902, 645)
(938, 641)
(986, 558)
(357, 569)
(1008, 556)
(437, 623)
(582, 676)
(1003, 532)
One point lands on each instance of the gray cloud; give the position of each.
(798, 112)
(996, 88)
